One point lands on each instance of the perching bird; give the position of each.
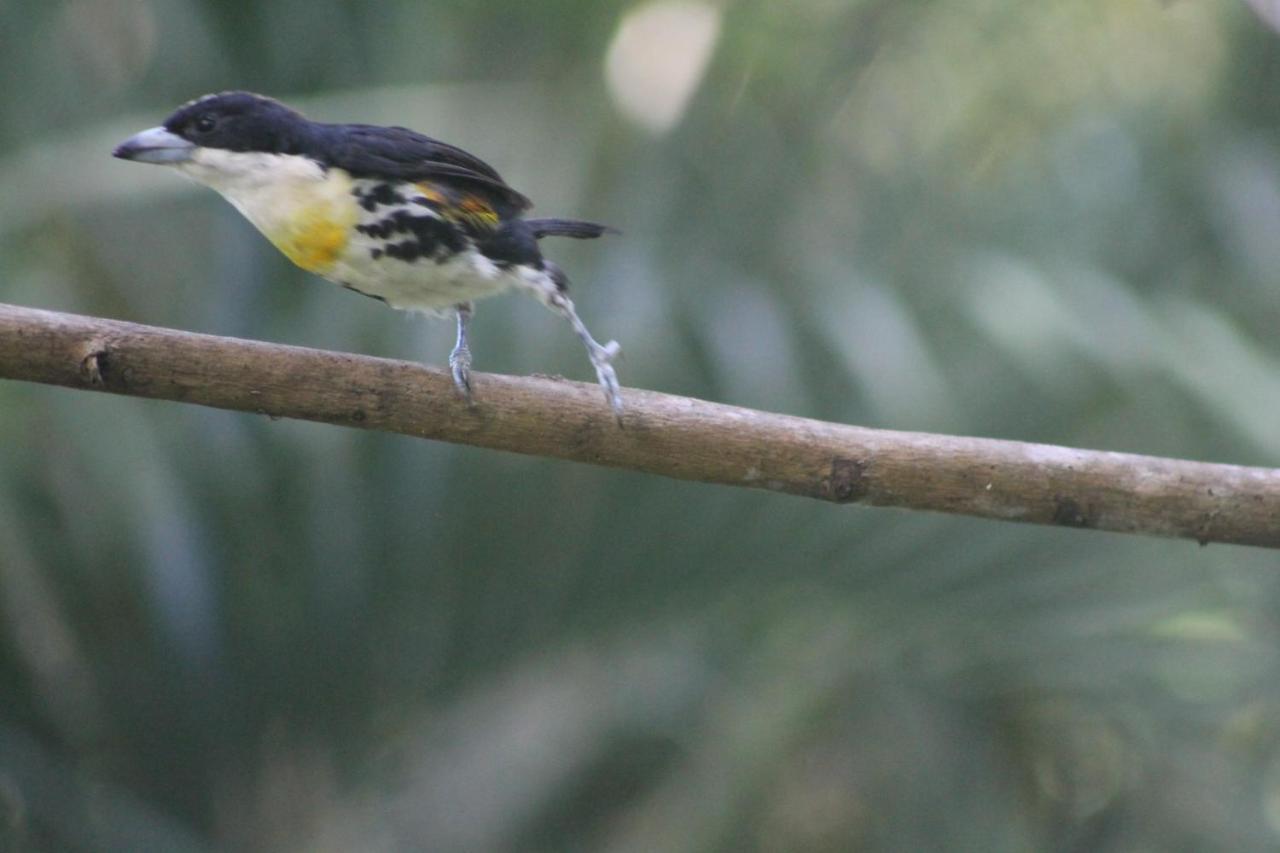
(384, 211)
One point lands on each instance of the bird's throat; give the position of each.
(307, 212)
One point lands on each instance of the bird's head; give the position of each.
(218, 138)
(229, 121)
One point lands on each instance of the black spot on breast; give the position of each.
(408, 250)
(380, 195)
(429, 236)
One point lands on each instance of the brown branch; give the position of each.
(661, 434)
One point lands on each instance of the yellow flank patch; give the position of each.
(315, 243)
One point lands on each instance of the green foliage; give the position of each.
(1051, 221)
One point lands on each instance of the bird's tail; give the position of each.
(575, 228)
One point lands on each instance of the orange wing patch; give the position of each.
(433, 195)
(478, 210)
(463, 208)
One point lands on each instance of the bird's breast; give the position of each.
(306, 211)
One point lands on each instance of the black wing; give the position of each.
(397, 153)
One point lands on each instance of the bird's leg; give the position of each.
(460, 357)
(602, 356)
(550, 285)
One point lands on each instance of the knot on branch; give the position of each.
(96, 365)
(1068, 512)
(99, 367)
(848, 481)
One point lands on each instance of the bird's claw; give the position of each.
(601, 359)
(460, 366)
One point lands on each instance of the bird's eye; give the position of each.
(205, 123)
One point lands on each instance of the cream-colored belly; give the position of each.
(422, 284)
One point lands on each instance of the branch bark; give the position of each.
(661, 434)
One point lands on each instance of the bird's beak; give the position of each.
(156, 145)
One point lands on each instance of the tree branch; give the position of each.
(661, 434)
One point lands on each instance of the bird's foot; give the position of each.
(602, 360)
(460, 366)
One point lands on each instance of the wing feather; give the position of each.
(397, 153)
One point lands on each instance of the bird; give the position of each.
(387, 212)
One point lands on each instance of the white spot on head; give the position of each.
(215, 95)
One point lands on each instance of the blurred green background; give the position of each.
(1051, 221)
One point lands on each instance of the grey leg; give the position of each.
(460, 358)
(601, 356)
(549, 285)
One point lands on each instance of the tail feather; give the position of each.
(575, 228)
